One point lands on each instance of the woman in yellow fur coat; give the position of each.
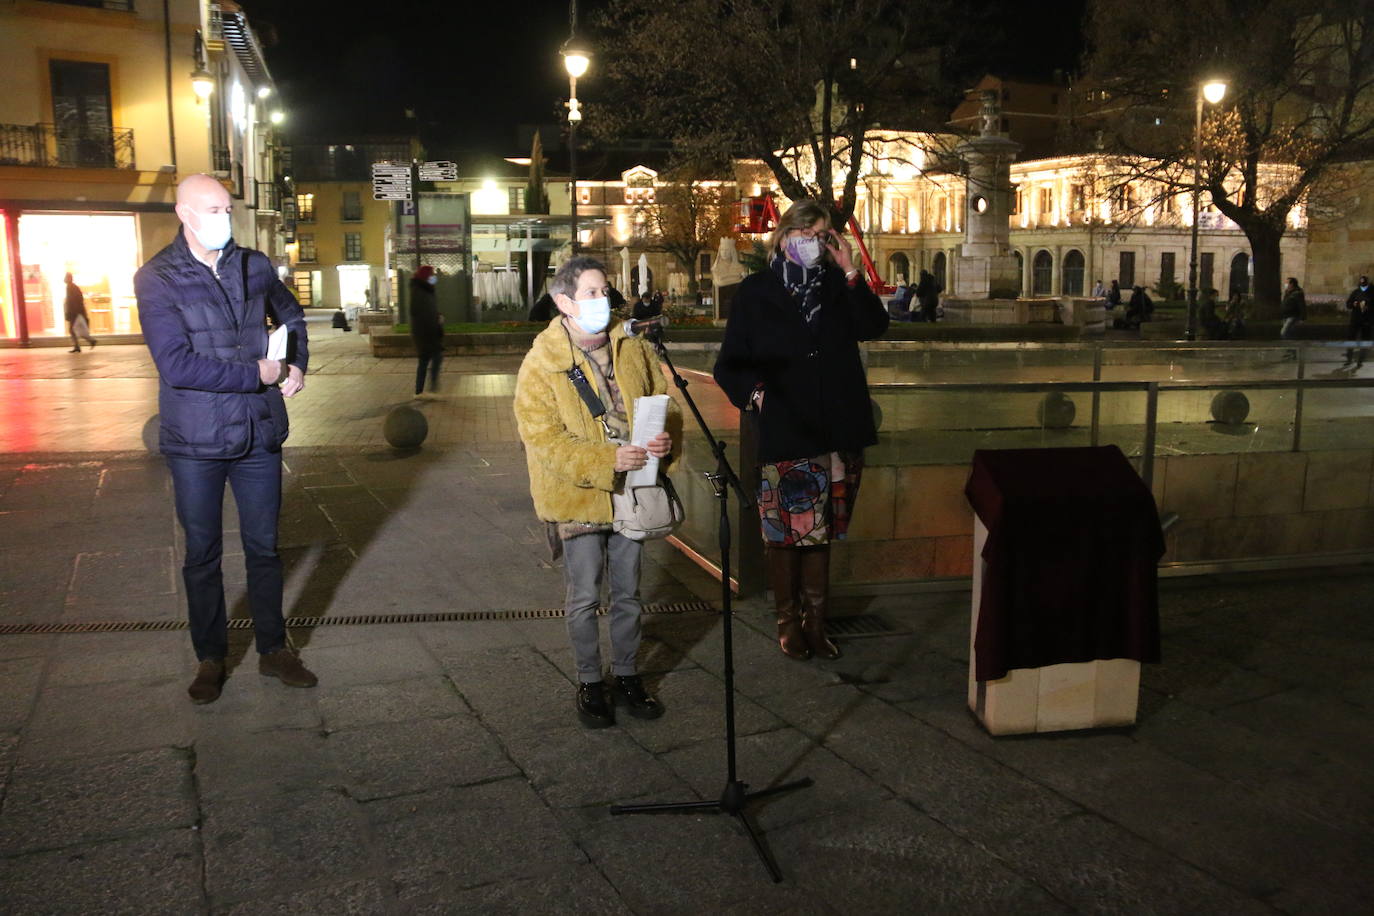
(575, 462)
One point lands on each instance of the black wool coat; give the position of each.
(815, 390)
(207, 330)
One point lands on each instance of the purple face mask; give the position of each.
(805, 251)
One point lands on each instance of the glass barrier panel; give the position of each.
(1217, 421)
(1337, 418)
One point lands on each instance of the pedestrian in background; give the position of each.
(928, 296)
(791, 355)
(576, 461)
(1293, 308)
(1235, 315)
(426, 329)
(74, 309)
(203, 303)
(1361, 319)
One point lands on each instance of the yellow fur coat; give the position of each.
(572, 466)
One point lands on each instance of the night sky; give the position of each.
(475, 71)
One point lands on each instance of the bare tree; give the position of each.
(690, 216)
(1300, 104)
(797, 84)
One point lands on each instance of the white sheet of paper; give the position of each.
(277, 341)
(651, 415)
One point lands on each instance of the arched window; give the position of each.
(898, 269)
(1020, 272)
(1240, 275)
(1042, 273)
(937, 267)
(1073, 273)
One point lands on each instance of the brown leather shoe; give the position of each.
(209, 681)
(285, 665)
(784, 577)
(815, 593)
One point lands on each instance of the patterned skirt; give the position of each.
(806, 502)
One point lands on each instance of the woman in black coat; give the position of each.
(791, 354)
(426, 328)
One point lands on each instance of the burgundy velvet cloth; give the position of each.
(1072, 550)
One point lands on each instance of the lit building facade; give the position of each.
(98, 122)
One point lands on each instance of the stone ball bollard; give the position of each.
(150, 433)
(1056, 410)
(405, 427)
(877, 413)
(1230, 407)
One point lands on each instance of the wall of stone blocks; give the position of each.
(914, 523)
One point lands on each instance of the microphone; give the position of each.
(646, 327)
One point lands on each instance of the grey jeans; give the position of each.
(585, 558)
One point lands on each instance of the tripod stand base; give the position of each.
(733, 801)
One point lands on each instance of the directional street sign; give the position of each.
(390, 181)
(441, 170)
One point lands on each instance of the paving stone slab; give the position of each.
(359, 898)
(50, 805)
(235, 765)
(269, 843)
(397, 758)
(99, 658)
(564, 891)
(888, 858)
(33, 588)
(19, 681)
(392, 656)
(252, 703)
(575, 766)
(1343, 729)
(513, 688)
(695, 704)
(395, 701)
(140, 876)
(9, 744)
(1097, 867)
(106, 719)
(461, 838)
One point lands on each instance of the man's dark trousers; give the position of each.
(255, 479)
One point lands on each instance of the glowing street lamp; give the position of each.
(577, 57)
(277, 116)
(202, 83)
(1212, 91)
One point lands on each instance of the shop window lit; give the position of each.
(307, 244)
(305, 208)
(584, 195)
(101, 253)
(304, 294)
(353, 246)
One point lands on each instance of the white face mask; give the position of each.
(593, 315)
(805, 251)
(214, 232)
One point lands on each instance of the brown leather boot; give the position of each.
(815, 591)
(285, 665)
(209, 681)
(784, 577)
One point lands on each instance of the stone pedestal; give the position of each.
(1077, 695)
(994, 276)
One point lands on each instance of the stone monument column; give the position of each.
(986, 268)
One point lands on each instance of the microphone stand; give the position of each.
(735, 798)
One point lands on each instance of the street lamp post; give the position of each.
(576, 59)
(1212, 91)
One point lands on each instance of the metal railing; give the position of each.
(222, 160)
(268, 196)
(49, 145)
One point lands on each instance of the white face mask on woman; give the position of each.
(593, 315)
(805, 250)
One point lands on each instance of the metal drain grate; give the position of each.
(244, 623)
(858, 626)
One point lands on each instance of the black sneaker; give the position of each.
(592, 707)
(630, 693)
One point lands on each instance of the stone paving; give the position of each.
(438, 767)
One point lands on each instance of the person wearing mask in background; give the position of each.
(74, 309)
(426, 329)
(576, 462)
(203, 303)
(791, 355)
(1293, 308)
(1359, 302)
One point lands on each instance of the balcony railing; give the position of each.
(48, 145)
(269, 198)
(223, 162)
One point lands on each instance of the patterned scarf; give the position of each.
(804, 283)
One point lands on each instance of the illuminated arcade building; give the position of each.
(107, 104)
